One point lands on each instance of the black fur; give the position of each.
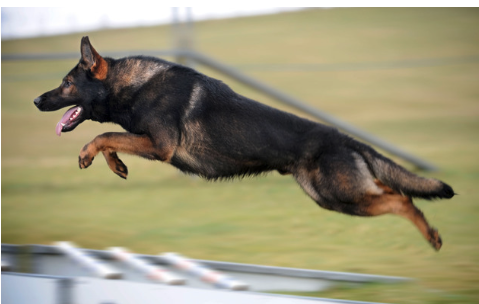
(198, 124)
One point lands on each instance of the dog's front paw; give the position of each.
(121, 170)
(115, 164)
(86, 157)
(84, 161)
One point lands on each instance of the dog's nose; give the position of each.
(37, 101)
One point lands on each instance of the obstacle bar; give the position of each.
(6, 266)
(207, 275)
(152, 272)
(86, 260)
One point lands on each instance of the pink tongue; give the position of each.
(64, 120)
(58, 129)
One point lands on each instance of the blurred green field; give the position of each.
(409, 76)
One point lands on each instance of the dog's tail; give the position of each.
(401, 180)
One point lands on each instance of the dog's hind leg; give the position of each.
(395, 203)
(402, 206)
(345, 185)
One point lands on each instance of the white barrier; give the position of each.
(207, 275)
(152, 272)
(86, 260)
(6, 266)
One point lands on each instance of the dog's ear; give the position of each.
(92, 61)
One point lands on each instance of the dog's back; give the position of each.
(224, 134)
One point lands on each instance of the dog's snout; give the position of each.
(37, 101)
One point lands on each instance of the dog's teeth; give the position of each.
(63, 124)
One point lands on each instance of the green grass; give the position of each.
(429, 110)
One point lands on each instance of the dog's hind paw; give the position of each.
(435, 240)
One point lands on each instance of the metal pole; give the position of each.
(182, 54)
(182, 34)
(189, 35)
(76, 55)
(268, 90)
(176, 33)
(65, 290)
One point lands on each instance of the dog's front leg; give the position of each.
(110, 143)
(115, 164)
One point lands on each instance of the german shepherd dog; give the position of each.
(177, 115)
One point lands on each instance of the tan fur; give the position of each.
(100, 69)
(305, 180)
(100, 66)
(395, 203)
(407, 180)
(368, 184)
(124, 143)
(134, 72)
(196, 95)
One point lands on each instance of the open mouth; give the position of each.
(69, 120)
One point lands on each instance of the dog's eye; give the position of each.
(67, 84)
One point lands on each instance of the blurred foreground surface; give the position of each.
(85, 276)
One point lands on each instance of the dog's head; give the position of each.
(83, 88)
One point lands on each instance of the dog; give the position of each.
(174, 114)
